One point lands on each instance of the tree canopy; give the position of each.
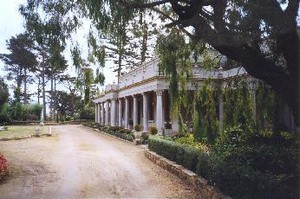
(260, 35)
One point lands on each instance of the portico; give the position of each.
(142, 97)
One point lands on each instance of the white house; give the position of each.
(142, 97)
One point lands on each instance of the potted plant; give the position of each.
(168, 128)
(137, 134)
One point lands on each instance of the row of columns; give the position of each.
(106, 112)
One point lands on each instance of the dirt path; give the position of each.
(80, 163)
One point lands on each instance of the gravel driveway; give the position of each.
(80, 163)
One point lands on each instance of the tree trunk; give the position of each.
(119, 67)
(25, 86)
(51, 99)
(43, 87)
(38, 91)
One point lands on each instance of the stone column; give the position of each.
(159, 118)
(135, 112)
(102, 114)
(145, 112)
(113, 113)
(98, 113)
(126, 112)
(120, 112)
(106, 113)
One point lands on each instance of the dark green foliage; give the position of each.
(205, 120)
(241, 165)
(125, 131)
(33, 112)
(239, 106)
(179, 153)
(125, 134)
(255, 166)
(153, 130)
(88, 112)
(137, 127)
(4, 94)
(20, 112)
(5, 114)
(265, 105)
(145, 137)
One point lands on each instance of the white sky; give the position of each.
(11, 24)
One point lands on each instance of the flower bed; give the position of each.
(3, 166)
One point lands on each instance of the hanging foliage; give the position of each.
(265, 106)
(174, 55)
(205, 116)
(239, 105)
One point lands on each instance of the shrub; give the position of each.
(179, 153)
(137, 127)
(5, 114)
(153, 130)
(3, 166)
(125, 131)
(115, 128)
(145, 137)
(34, 111)
(255, 166)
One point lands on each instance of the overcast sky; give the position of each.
(11, 24)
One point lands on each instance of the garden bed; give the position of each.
(256, 169)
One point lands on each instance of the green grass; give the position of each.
(21, 131)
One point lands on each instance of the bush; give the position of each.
(5, 114)
(3, 166)
(33, 111)
(255, 166)
(137, 127)
(184, 155)
(153, 130)
(145, 137)
(242, 166)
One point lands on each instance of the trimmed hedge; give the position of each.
(184, 155)
(258, 169)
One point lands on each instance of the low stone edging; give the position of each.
(200, 184)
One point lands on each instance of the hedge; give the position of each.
(187, 156)
(259, 170)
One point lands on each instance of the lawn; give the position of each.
(21, 131)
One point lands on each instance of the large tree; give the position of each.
(260, 35)
(19, 62)
(49, 31)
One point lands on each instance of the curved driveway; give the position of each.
(80, 163)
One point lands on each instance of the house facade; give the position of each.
(142, 97)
